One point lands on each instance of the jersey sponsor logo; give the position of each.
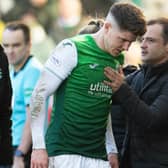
(55, 61)
(100, 89)
(93, 66)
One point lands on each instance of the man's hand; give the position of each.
(39, 158)
(116, 78)
(113, 160)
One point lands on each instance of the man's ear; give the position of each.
(167, 47)
(107, 26)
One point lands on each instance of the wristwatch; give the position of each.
(19, 153)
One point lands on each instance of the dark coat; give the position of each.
(6, 152)
(118, 118)
(145, 102)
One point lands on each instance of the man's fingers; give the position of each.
(120, 70)
(111, 84)
(107, 83)
(109, 73)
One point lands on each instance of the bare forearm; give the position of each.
(26, 140)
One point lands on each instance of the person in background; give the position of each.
(6, 156)
(143, 97)
(80, 134)
(24, 73)
(93, 26)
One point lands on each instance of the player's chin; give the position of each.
(116, 53)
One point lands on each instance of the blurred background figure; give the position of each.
(92, 27)
(67, 21)
(2, 25)
(42, 44)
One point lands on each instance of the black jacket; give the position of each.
(145, 103)
(118, 118)
(6, 154)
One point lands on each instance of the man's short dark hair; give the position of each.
(18, 25)
(129, 18)
(164, 23)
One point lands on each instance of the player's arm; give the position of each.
(60, 64)
(111, 147)
(57, 68)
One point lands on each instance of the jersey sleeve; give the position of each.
(59, 65)
(63, 59)
(110, 141)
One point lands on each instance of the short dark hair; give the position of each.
(18, 25)
(92, 27)
(129, 18)
(164, 23)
